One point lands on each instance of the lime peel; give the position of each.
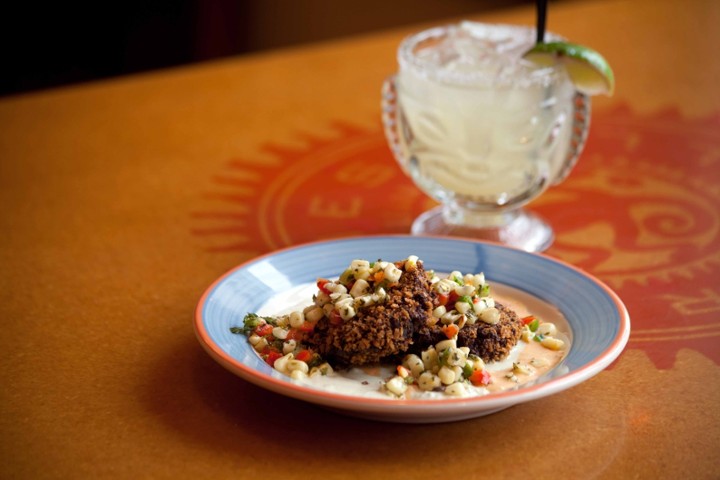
(588, 70)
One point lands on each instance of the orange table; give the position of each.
(122, 200)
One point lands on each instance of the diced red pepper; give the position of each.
(263, 330)
(321, 285)
(295, 334)
(480, 378)
(307, 327)
(304, 356)
(453, 297)
(335, 318)
(443, 299)
(528, 319)
(272, 356)
(450, 330)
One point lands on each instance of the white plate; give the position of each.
(598, 321)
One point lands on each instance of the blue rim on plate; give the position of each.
(599, 321)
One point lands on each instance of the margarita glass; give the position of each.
(481, 130)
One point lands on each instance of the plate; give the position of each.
(598, 321)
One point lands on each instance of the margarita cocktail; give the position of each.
(482, 130)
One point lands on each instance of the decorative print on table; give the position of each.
(345, 186)
(640, 211)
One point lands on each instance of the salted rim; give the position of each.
(407, 60)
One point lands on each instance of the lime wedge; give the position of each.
(588, 70)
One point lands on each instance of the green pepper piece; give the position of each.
(534, 325)
(347, 277)
(467, 299)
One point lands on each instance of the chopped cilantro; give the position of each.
(251, 321)
(444, 357)
(467, 299)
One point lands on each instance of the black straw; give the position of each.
(541, 15)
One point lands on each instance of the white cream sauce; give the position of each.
(368, 381)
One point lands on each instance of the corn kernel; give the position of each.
(297, 319)
(323, 369)
(449, 318)
(360, 287)
(428, 381)
(356, 265)
(293, 365)
(392, 273)
(490, 315)
(547, 329)
(526, 334)
(314, 314)
(322, 298)
(289, 346)
(455, 390)
(411, 263)
(413, 363)
(396, 386)
(346, 312)
(363, 301)
(335, 288)
(552, 343)
(281, 364)
(477, 362)
(462, 307)
(279, 333)
(439, 311)
(260, 345)
(482, 304)
(447, 375)
(464, 290)
(449, 343)
(429, 358)
(456, 357)
(521, 369)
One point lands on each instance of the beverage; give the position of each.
(480, 129)
(483, 127)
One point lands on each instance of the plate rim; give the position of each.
(352, 402)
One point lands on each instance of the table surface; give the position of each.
(123, 200)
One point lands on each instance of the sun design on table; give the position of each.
(640, 211)
(343, 186)
(641, 206)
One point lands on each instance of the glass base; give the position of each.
(519, 228)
